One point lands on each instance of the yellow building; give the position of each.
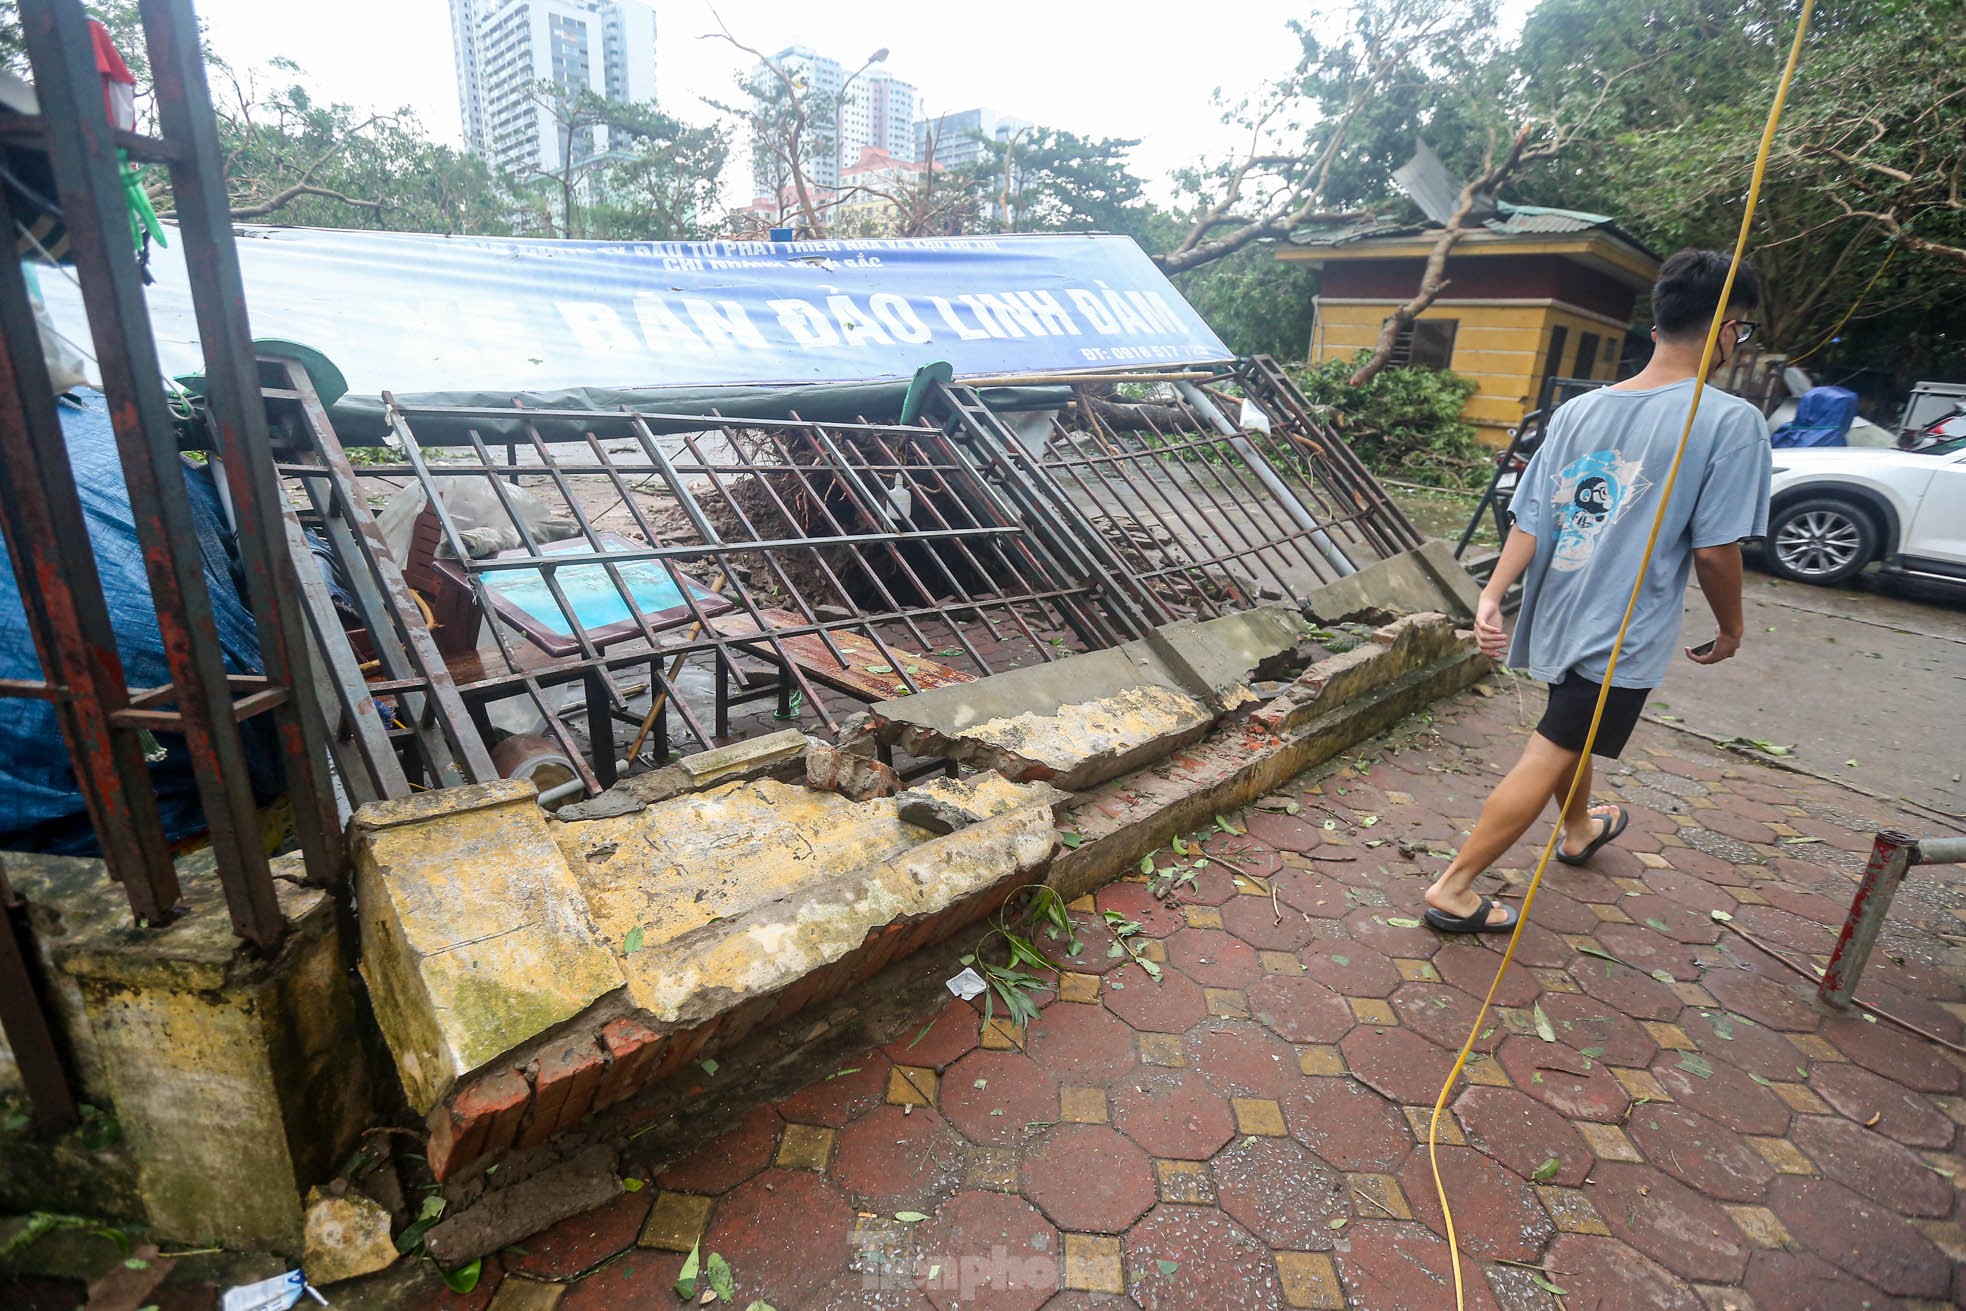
(1536, 293)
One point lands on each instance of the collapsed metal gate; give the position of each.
(617, 570)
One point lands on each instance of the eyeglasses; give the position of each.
(1743, 330)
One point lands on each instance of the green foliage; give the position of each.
(631, 172)
(1045, 180)
(1255, 304)
(1404, 422)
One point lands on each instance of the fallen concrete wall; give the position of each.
(1080, 721)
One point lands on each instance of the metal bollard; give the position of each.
(1890, 856)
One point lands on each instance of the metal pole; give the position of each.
(1327, 548)
(82, 149)
(1890, 856)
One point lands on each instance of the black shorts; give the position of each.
(1568, 719)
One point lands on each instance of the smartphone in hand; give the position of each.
(1704, 648)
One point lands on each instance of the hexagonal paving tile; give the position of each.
(1155, 917)
(1392, 1266)
(1607, 1273)
(1698, 1152)
(1397, 1063)
(1740, 1042)
(1082, 1044)
(1348, 1125)
(1877, 1103)
(1797, 1279)
(1299, 1008)
(1871, 1164)
(1444, 1016)
(1775, 1003)
(856, 1087)
(1281, 1193)
(1471, 968)
(1173, 1004)
(1498, 1215)
(1570, 1082)
(952, 1034)
(1312, 892)
(640, 1281)
(1194, 1258)
(1350, 968)
(1583, 1024)
(1647, 949)
(995, 1096)
(1242, 1059)
(1284, 832)
(1867, 1240)
(1670, 1223)
(1375, 929)
(1887, 1050)
(1722, 1093)
(1213, 959)
(1621, 988)
(729, 1159)
(1524, 1135)
(1173, 1114)
(1089, 1178)
(784, 1234)
(586, 1240)
(995, 1253)
(1256, 922)
(889, 1161)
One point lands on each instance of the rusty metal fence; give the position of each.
(102, 718)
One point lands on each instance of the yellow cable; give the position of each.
(1848, 314)
(1617, 646)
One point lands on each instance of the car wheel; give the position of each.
(1824, 540)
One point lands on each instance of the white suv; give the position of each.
(1834, 509)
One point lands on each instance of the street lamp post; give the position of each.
(839, 106)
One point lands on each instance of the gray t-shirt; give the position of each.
(1589, 496)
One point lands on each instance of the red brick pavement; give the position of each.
(1693, 1132)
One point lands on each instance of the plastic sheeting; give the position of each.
(40, 806)
(1822, 418)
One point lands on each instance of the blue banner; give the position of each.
(417, 313)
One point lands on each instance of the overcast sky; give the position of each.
(1098, 69)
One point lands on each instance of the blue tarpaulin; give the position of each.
(1822, 418)
(40, 806)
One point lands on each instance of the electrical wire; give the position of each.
(1851, 313)
(1617, 646)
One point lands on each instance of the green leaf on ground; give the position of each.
(1071, 841)
(1764, 1082)
(722, 1282)
(1658, 924)
(1694, 1063)
(709, 1064)
(1721, 916)
(1547, 1170)
(1168, 1267)
(633, 942)
(1222, 822)
(910, 1217)
(880, 669)
(686, 1277)
(1339, 1222)
(1180, 847)
(632, 1185)
(432, 1208)
(1544, 1029)
(1663, 976)
(1403, 922)
(465, 1278)
(1147, 863)
(1546, 1285)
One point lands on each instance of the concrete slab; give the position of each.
(236, 1081)
(1080, 721)
(1425, 578)
(475, 938)
(719, 897)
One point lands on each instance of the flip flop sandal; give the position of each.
(1476, 922)
(1612, 828)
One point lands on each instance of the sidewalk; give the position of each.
(1661, 1116)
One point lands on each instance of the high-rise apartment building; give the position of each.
(877, 109)
(505, 48)
(957, 139)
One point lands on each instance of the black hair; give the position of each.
(1688, 291)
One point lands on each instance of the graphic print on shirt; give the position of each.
(1592, 493)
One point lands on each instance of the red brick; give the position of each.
(1278, 1191)
(563, 1089)
(632, 1049)
(681, 1049)
(481, 1120)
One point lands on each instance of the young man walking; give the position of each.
(1582, 513)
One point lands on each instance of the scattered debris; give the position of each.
(345, 1237)
(967, 985)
